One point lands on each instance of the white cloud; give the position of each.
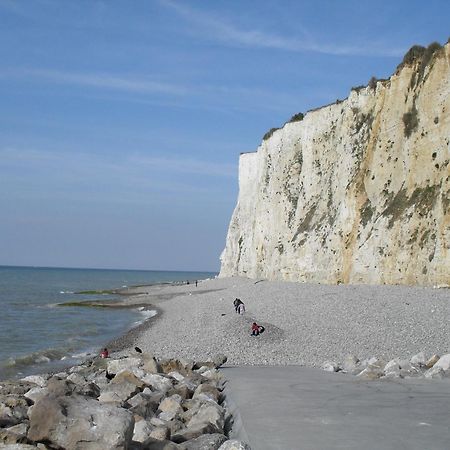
(231, 34)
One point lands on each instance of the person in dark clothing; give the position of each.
(257, 329)
(239, 306)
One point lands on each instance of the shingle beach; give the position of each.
(305, 324)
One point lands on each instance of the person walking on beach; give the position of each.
(257, 329)
(239, 306)
(104, 353)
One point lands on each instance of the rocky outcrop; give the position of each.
(354, 192)
(132, 402)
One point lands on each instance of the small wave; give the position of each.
(66, 292)
(146, 313)
(40, 357)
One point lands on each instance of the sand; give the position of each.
(306, 324)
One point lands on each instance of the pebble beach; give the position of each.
(305, 324)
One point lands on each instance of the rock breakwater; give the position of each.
(135, 402)
(418, 366)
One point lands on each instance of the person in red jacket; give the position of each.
(104, 353)
(257, 329)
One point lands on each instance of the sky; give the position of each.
(121, 123)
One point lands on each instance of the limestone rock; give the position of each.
(118, 392)
(350, 364)
(338, 192)
(204, 442)
(443, 363)
(15, 387)
(234, 444)
(330, 366)
(209, 413)
(40, 380)
(155, 444)
(13, 410)
(145, 405)
(117, 365)
(419, 359)
(142, 430)
(192, 432)
(68, 421)
(158, 382)
(208, 392)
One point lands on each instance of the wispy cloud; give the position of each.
(129, 174)
(229, 33)
(99, 80)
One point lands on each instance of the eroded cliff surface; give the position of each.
(356, 192)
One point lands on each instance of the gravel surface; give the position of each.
(305, 323)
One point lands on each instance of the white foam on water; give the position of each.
(146, 313)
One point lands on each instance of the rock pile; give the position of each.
(135, 402)
(419, 366)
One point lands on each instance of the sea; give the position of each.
(38, 336)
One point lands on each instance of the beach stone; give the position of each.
(205, 442)
(156, 444)
(219, 360)
(118, 392)
(212, 374)
(150, 365)
(206, 391)
(392, 364)
(15, 387)
(9, 437)
(435, 373)
(209, 413)
(20, 428)
(372, 371)
(418, 360)
(350, 364)
(192, 432)
(158, 382)
(176, 375)
(176, 365)
(182, 390)
(13, 410)
(192, 382)
(170, 415)
(174, 425)
(115, 366)
(170, 403)
(40, 380)
(330, 366)
(142, 430)
(18, 447)
(76, 422)
(432, 361)
(34, 394)
(157, 422)
(128, 376)
(443, 362)
(160, 433)
(234, 444)
(144, 405)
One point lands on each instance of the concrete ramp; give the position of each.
(299, 408)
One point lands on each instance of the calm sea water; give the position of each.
(37, 336)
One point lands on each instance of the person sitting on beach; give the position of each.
(104, 353)
(239, 306)
(257, 329)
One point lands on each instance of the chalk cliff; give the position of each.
(353, 192)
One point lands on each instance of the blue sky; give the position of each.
(121, 122)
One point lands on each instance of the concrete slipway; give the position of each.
(300, 408)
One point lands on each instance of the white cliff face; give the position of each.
(356, 192)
